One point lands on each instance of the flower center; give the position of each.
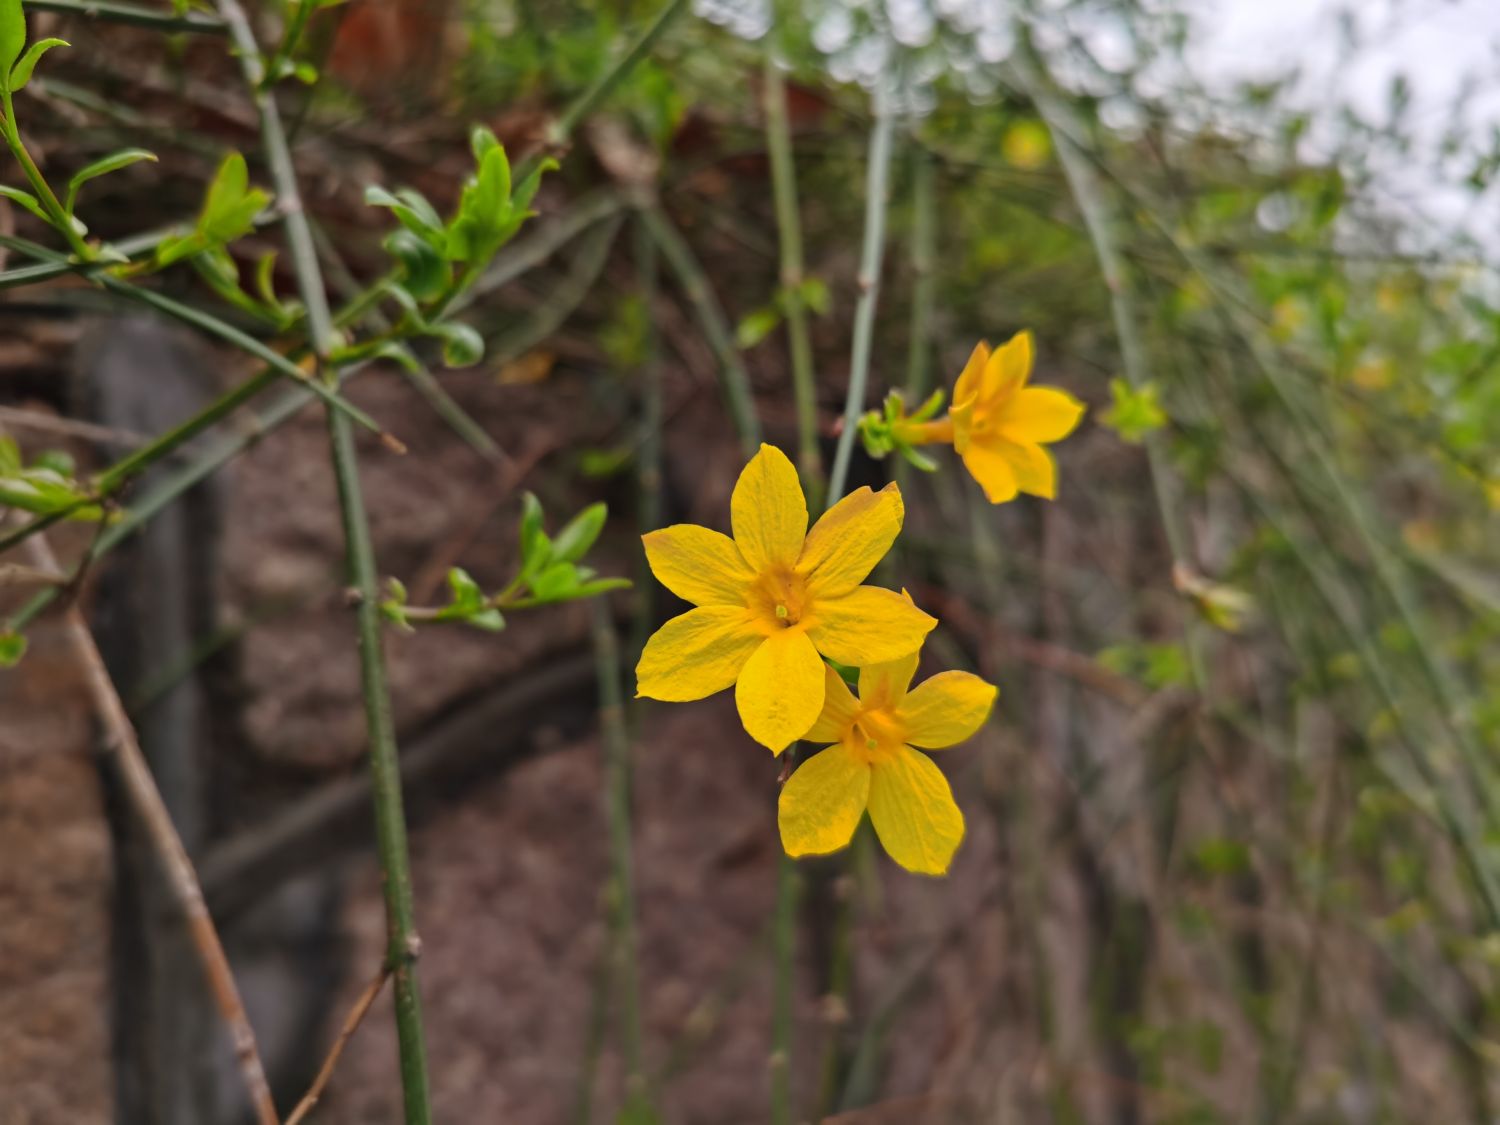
(779, 598)
(876, 736)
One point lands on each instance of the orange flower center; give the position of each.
(875, 736)
(779, 599)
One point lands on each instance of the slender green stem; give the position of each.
(137, 15)
(649, 461)
(784, 987)
(627, 991)
(923, 268)
(403, 944)
(789, 232)
(1100, 220)
(877, 190)
(732, 374)
(56, 213)
(562, 129)
(291, 37)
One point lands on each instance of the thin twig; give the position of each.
(877, 188)
(351, 1024)
(789, 234)
(124, 748)
(403, 945)
(15, 416)
(137, 15)
(733, 377)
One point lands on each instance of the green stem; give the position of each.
(789, 232)
(604, 85)
(403, 945)
(784, 962)
(734, 378)
(877, 188)
(136, 15)
(649, 461)
(1100, 220)
(627, 991)
(923, 268)
(61, 220)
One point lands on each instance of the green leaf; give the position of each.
(462, 345)
(1135, 413)
(425, 272)
(467, 595)
(12, 34)
(815, 295)
(555, 583)
(26, 200)
(21, 74)
(536, 548)
(413, 211)
(12, 648)
(573, 541)
(102, 167)
(755, 327)
(230, 205)
(482, 140)
(601, 586)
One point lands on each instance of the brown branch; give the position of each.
(140, 787)
(351, 1024)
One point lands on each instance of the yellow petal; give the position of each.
(1008, 369)
(698, 565)
(868, 625)
(853, 535)
(768, 511)
(967, 387)
(780, 690)
(697, 653)
(961, 414)
(1034, 469)
(993, 472)
(884, 685)
(822, 802)
(839, 709)
(1040, 414)
(914, 813)
(946, 709)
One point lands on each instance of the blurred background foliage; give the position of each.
(1249, 661)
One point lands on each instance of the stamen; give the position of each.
(781, 611)
(872, 743)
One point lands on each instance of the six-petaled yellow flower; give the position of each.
(872, 765)
(774, 597)
(999, 425)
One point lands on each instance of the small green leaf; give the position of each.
(12, 648)
(26, 200)
(102, 167)
(573, 541)
(21, 73)
(12, 34)
(555, 583)
(425, 272)
(462, 345)
(481, 141)
(755, 327)
(536, 548)
(815, 295)
(601, 586)
(467, 595)
(1135, 413)
(413, 211)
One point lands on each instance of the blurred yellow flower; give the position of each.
(999, 425)
(774, 597)
(872, 765)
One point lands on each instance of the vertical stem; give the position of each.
(649, 476)
(402, 943)
(622, 880)
(1100, 220)
(788, 884)
(789, 232)
(877, 186)
(733, 377)
(923, 261)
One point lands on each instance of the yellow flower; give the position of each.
(999, 425)
(871, 764)
(774, 597)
